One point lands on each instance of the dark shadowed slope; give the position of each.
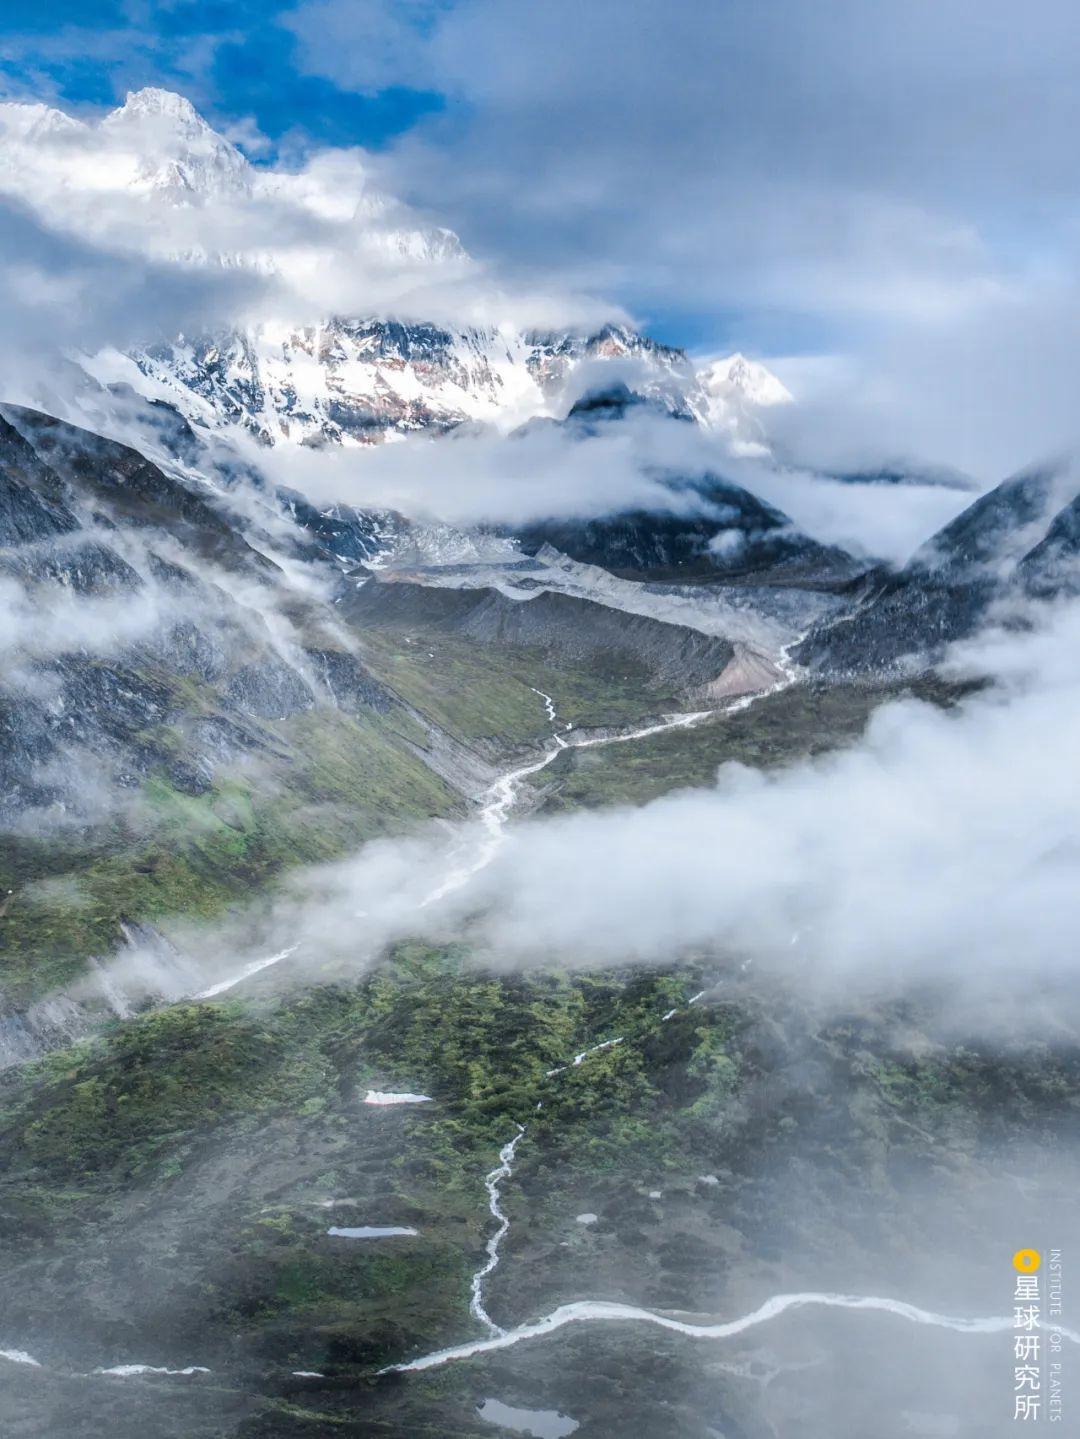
(1019, 540)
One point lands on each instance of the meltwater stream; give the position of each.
(594, 1311)
(504, 793)
(491, 1183)
(493, 816)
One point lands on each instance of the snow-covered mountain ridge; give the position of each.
(361, 381)
(378, 324)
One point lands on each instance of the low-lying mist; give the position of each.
(642, 461)
(942, 850)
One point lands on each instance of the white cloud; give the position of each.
(547, 472)
(941, 850)
(59, 291)
(893, 182)
(153, 184)
(367, 45)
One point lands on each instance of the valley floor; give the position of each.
(687, 1139)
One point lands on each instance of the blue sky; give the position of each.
(234, 59)
(248, 63)
(894, 184)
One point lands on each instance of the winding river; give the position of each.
(599, 1311)
(493, 816)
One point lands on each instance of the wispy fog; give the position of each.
(942, 848)
(63, 291)
(477, 476)
(147, 224)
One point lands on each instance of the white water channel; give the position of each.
(598, 1311)
(254, 967)
(501, 797)
(491, 1183)
(493, 817)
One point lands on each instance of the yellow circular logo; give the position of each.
(1027, 1260)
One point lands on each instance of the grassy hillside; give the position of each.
(163, 1202)
(320, 783)
(329, 782)
(485, 693)
(807, 719)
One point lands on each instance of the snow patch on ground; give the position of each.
(371, 1231)
(383, 1097)
(128, 1371)
(19, 1356)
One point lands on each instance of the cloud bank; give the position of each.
(476, 476)
(941, 850)
(887, 182)
(152, 187)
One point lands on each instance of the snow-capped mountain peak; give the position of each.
(158, 104)
(177, 151)
(351, 353)
(734, 391)
(735, 378)
(22, 121)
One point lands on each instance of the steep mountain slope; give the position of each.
(1053, 566)
(176, 696)
(1018, 540)
(195, 694)
(665, 657)
(357, 381)
(156, 566)
(737, 391)
(729, 535)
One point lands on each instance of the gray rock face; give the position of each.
(994, 532)
(30, 505)
(355, 536)
(83, 565)
(1019, 541)
(143, 645)
(269, 691)
(348, 681)
(1053, 566)
(724, 533)
(558, 626)
(124, 488)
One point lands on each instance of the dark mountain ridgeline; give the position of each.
(725, 534)
(1019, 541)
(558, 627)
